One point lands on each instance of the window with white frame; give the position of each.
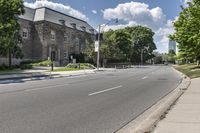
(53, 35)
(25, 33)
(77, 41)
(65, 37)
(66, 55)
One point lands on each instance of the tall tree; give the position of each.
(187, 30)
(10, 39)
(142, 42)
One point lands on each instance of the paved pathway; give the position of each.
(184, 117)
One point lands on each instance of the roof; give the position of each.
(50, 15)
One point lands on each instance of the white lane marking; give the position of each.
(145, 77)
(79, 76)
(98, 92)
(41, 88)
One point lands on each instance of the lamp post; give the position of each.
(99, 32)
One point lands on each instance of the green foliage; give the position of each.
(65, 69)
(142, 39)
(116, 45)
(89, 48)
(80, 65)
(10, 39)
(42, 63)
(26, 66)
(127, 44)
(75, 67)
(31, 64)
(171, 56)
(187, 31)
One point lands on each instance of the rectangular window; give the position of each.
(65, 37)
(25, 33)
(53, 35)
(65, 55)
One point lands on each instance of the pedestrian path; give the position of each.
(184, 117)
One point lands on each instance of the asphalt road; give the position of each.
(96, 103)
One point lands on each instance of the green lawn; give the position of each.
(11, 71)
(66, 69)
(191, 70)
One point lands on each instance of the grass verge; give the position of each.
(66, 69)
(191, 70)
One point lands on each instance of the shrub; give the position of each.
(42, 63)
(80, 65)
(26, 66)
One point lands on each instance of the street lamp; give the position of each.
(99, 32)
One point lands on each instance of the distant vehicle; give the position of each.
(166, 63)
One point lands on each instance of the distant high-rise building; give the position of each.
(172, 46)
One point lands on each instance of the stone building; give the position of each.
(48, 33)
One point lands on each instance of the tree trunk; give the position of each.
(9, 58)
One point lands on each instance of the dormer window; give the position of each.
(62, 21)
(53, 35)
(25, 33)
(83, 28)
(92, 31)
(73, 25)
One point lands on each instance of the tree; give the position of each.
(126, 44)
(171, 56)
(142, 42)
(187, 29)
(122, 41)
(10, 39)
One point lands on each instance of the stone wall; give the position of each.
(38, 45)
(27, 42)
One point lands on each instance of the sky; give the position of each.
(155, 14)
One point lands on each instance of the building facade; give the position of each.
(172, 46)
(48, 33)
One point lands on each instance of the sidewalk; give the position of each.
(184, 117)
(35, 74)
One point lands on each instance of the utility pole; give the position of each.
(98, 45)
(98, 50)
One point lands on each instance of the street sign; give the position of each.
(96, 45)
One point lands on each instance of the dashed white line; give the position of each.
(79, 76)
(98, 92)
(145, 77)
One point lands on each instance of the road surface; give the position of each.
(95, 103)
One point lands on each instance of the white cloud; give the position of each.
(184, 2)
(94, 11)
(58, 7)
(136, 13)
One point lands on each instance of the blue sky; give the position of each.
(156, 14)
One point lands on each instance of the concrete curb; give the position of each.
(147, 121)
(39, 77)
(24, 77)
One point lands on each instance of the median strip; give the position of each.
(98, 92)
